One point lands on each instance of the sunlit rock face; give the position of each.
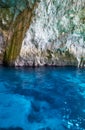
(2, 47)
(76, 45)
(50, 39)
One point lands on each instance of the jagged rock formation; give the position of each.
(76, 46)
(20, 26)
(51, 32)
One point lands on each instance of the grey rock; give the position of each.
(52, 30)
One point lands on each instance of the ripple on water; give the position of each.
(42, 98)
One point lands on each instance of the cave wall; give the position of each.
(56, 35)
(48, 32)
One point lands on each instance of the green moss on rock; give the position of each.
(5, 18)
(19, 28)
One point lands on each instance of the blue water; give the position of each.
(45, 98)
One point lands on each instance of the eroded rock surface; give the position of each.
(50, 32)
(53, 29)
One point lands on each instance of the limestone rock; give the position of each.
(76, 45)
(47, 39)
(50, 32)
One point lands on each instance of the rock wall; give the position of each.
(16, 34)
(53, 28)
(51, 33)
(76, 46)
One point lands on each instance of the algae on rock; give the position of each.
(18, 30)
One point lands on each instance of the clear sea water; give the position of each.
(45, 98)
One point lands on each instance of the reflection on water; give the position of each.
(42, 98)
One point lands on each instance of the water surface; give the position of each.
(45, 98)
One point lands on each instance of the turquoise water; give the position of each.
(45, 98)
